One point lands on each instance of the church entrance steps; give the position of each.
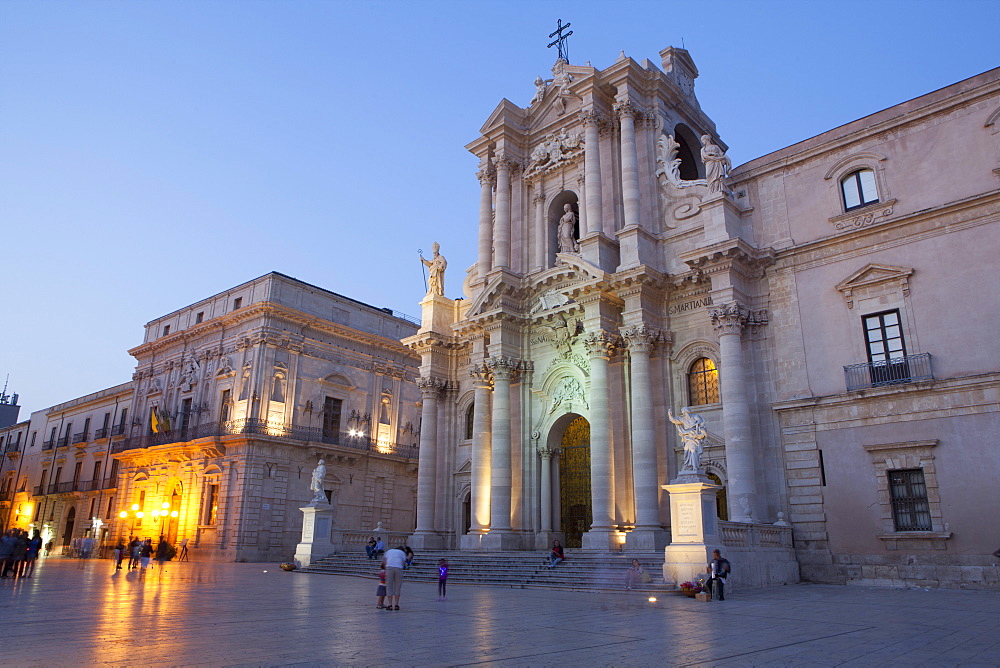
(582, 571)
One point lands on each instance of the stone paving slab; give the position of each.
(74, 613)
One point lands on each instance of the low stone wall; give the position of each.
(761, 555)
(948, 571)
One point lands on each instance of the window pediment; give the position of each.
(875, 274)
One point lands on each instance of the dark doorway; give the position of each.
(70, 521)
(574, 482)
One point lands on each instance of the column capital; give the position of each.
(481, 376)
(641, 338)
(592, 118)
(547, 453)
(729, 318)
(503, 163)
(538, 198)
(431, 386)
(503, 368)
(625, 109)
(487, 176)
(601, 344)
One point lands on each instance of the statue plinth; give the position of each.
(694, 526)
(600, 251)
(637, 246)
(318, 538)
(437, 314)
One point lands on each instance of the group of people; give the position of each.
(18, 553)
(140, 553)
(390, 576)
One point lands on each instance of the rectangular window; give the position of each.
(111, 505)
(238, 302)
(200, 317)
(185, 418)
(331, 417)
(33, 434)
(886, 348)
(97, 474)
(76, 473)
(166, 330)
(910, 510)
(211, 503)
(113, 476)
(120, 429)
(225, 406)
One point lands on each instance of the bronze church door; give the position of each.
(574, 482)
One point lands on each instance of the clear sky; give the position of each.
(155, 153)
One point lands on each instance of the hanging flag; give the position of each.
(164, 421)
(154, 422)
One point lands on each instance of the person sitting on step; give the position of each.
(556, 555)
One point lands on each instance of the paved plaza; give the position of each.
(75, 613)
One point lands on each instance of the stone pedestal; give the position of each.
(694, 527)
(501, 541)
(426, 541)
(600, 251)
(637, 247)
(647, 539)
(601, 541)
(437, 314)
(721, 217)
(318, 538)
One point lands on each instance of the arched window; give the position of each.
(468, 421)
(859, 189)
(278, 388)
(703, 383)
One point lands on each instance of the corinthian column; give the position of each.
(729, 320)
(481, 449)
(600, 346)
(541, 228)
(630, 162)
(640, 340)
(485, 176)
(592, 168)
(427, 461)
(503, 369)
(501, 231)
(545, 454)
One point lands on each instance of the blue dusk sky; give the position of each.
(155, 153)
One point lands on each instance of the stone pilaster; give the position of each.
(729, 320)
(501, 230)
(541, 229)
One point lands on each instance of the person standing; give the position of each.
(443, 580)
(31, 556)
(119, 554)
(7, 542)
(720, 569)
(19, 552)
(393, 563)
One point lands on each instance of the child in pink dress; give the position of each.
(380, 592)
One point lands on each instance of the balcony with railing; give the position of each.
(889, 372)
(64, 440)
(257, 427)
(103, 432)
(118, 430)
(49, 444)
(81, 437)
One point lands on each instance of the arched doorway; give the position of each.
(172, 519)
(70, 521)
(574, 482)
(721, 506)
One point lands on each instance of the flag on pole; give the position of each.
(154, 422)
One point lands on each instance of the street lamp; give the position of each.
(166, 513)
(135, 514)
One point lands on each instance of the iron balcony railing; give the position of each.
(49, 444)
(890, 372)
(118, 430)
(63, 441)
(101, 433)
(76, 486)
(258, 427)
(80, 438)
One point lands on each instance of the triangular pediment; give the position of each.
(506, 114)
(871, 274)
(501, 289)
(465, 468)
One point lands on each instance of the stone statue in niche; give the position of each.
(691, 429)
(567, 231)
(717, 165)
(316, 484)
(435, 267)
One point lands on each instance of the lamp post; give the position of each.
(135, 514)
(168, 514)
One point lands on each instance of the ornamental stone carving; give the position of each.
(555, 151)
(601, 344)
(503, 368)
(430, 386)
(570, 390)
(481, 375)
(729, 318)
(640, 338)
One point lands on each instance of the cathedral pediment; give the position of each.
(507, 114)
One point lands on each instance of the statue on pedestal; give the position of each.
(435, 266)
(567, 231)
(316, 484)
(691, 429)
(717, 165)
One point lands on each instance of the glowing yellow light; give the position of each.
(165, 504)
(173, 513)
(123, 514)
(135, 506)
(140, 514)
(652, 599)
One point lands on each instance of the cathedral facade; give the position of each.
(814, 307)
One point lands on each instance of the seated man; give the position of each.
(379, 547)
(556, 554)
(370, 548)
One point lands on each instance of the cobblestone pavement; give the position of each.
(74, 613)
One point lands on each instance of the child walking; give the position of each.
(380, 592)
(442, 580)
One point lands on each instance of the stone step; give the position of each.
(582, 571)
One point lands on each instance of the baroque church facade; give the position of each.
(814, 307)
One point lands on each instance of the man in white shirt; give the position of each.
(393, 563)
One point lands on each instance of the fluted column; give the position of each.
(592, 169)
(630, 162)
(481, 449)
(729, 320)
(427, 458)
(541, 229)
(600, 346)
(503, 369)
(545, 504)
(486, 180)
(501, 230)
(640, 340)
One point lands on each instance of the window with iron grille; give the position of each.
(703, 383)
(910, 510)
